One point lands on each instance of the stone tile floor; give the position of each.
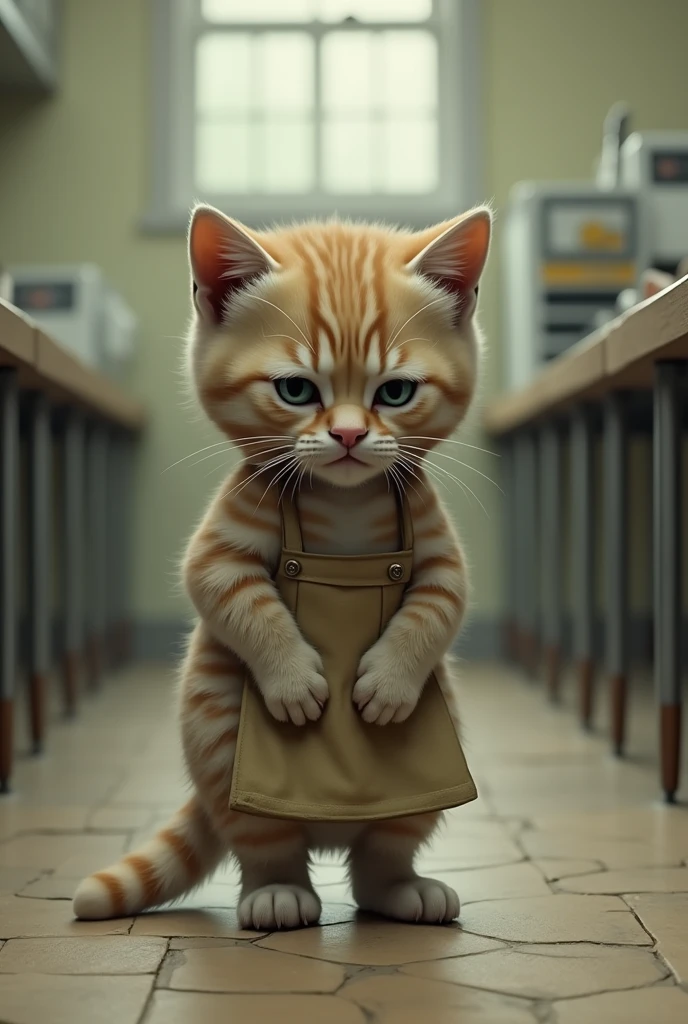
(573, 879)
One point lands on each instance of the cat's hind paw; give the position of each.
(279, 906)
(419, 900)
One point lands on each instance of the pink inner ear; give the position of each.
(472, 245)
(454, 261)
(465, 301)
(213, 265)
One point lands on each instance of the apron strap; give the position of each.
(406, 520)
(292, 539)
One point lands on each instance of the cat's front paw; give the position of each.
(384, 692)
(297, 692)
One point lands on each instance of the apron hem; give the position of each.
(258, 803)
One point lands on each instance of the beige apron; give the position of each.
(340, 768)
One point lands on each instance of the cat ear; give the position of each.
(455, 257)
(653, 281)
(224, 258)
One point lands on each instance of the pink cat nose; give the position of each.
(348, 436)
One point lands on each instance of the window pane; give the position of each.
(285, 70)
(347, 71)
(230, 11)
(410, 156)
(287, 156)
(223, 156)
(408, 66)
(348, 156)
(223, 72)
(374, 10)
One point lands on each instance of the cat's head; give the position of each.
(344, 350)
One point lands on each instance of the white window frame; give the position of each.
(175, 25)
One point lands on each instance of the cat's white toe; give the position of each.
(279, 906)
(420, 900)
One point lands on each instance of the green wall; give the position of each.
(73, 186)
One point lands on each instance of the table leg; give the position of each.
(582, 556)
(40, 588)
(667, 567)
(551, 540)
(112, 552)
(616, 558)
(73, 565)
(126, 454)
(9, 489)
(527, 542)
(96, 531)
(511, 638)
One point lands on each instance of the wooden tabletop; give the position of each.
(17, 338)
(620, 355)
(45, 365)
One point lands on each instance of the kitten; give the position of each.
(295, 333)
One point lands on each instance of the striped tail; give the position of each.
(176, 860)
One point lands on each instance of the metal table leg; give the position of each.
(667, 567)
(9, 489)
(126, 456)
(510, 540)
(516, 561)
(111, 552)
(551, 540)
(582, 556)
(40, 589)
(73, 565)
(97, 549)
(616, 560)
(118, 550)
(527, 543)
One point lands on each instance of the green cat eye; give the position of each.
(396, 392)
(296, 390)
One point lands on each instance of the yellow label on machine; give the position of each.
(589, 273)
(595, 235)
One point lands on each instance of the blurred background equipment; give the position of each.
(655, 165)
(574, 253)
(74, 304)
(570, 250)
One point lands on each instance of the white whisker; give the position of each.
(407, 341)
(261, 469)
(245, 455)
(396, 334)
(271, 483)
(448, 440)
(441, 455)
(430, 467)
(229, 442)
(286, 483)
(409, 469)
(267, 302)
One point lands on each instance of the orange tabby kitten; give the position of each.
(335, 355)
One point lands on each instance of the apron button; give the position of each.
(292, 567)
(395, 571)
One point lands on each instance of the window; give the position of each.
(287, 108)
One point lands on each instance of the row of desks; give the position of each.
(61, 423)
(591, 389)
